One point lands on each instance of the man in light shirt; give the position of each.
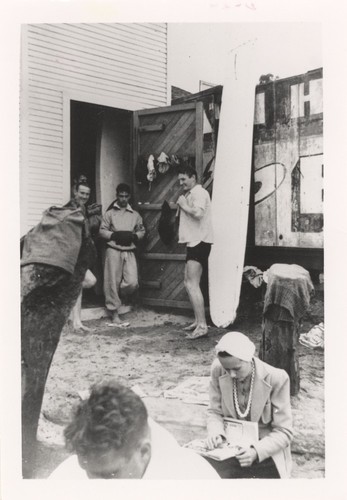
(122, 228)
(111, 437)
(195, 230)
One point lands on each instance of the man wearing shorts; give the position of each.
(195, 229)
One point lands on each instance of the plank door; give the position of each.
(174, 130)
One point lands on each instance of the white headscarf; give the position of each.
(236, 344)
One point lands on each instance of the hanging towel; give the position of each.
(56, 240)
(163, 163)
(290, 287)
(167, 225)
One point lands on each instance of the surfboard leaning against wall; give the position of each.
(231, 185)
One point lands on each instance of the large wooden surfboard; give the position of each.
(231, 184)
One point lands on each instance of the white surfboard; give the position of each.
(231, 184)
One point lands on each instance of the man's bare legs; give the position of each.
(76, 315)
(88, 282)
(192, 276)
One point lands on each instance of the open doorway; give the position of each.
(100, 148)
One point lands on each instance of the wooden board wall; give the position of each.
(111, 62)
(174, 130)
(289, 130)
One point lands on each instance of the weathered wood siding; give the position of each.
(288, 162)
(174, 130)
(125, 62)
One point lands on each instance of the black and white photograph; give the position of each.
(172, 319)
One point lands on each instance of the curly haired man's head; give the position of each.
(110, 434)
(187, 176)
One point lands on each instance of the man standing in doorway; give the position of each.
(195, 229)
(122, 228)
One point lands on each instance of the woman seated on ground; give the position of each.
(245, 388)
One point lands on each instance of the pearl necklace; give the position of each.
(236, 400)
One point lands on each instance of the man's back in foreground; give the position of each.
(113, 438)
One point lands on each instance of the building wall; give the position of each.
(121, 65)
(288, 162)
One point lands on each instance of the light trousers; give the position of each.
(120, 276)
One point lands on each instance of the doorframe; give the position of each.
(89, 98)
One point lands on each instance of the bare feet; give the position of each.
(124, 309)
(190, 328)
(115, 318)
(80, 327)
(200, 331)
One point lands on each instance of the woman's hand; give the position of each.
(214, 440)
(246, 456)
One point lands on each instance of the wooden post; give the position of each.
(279, 347)
(287, 298)
(48, 295)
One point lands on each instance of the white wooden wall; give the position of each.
(124, 65)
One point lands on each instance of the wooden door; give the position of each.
(174, 130)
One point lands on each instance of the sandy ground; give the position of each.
(153, 355)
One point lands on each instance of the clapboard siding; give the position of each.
(124, 62)
(137, 73)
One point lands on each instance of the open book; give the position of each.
(239, 433)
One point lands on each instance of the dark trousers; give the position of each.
(231, 469)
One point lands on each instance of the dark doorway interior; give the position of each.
(100, 149)
(86, 122)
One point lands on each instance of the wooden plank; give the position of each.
(151, 271)
(159, 190)
(167, 109)
(153, 243)
(86, 44)
(169, 265)
(172, 283)
(36, 97)
(78, 67)
(70, 55)
(143, 31)
(97, 32)
(55, 128)
(150, 284)
(185, 146)
(199, 139)
(135, 153)
(163, 193)
(176, 283)
(152, 128)
(134, 36)
(46, 131)
(152, 143)
(176, 136)
(93, 79)
(163, 256)
(37, 154)
(174, 248)
(44, 141)
(47, 148)
(165, 303)
(132, 94)
(45, 170)
(35, 116)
